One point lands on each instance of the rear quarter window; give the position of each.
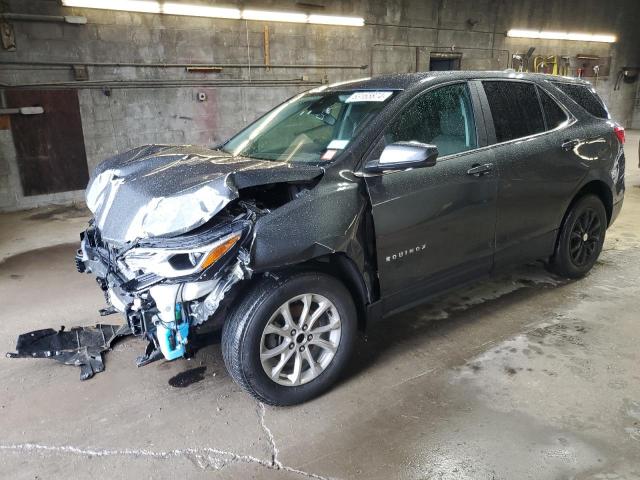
(554, 115)
(585, 97)
(515, 109)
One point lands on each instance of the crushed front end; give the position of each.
(173, 231)
(165, 287)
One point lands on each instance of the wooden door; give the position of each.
(50, 146)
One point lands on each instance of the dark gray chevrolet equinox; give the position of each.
(346, 204)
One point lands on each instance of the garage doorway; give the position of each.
(444, 61)
(49, 147)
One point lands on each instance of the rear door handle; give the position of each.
(569, 144)
(478, 170)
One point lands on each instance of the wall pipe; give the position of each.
(176, 65)
(178, 83)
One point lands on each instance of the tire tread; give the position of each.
(234, 331)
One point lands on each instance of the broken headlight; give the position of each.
(175, 262)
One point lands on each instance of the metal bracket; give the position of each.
(151, 354)
(8, 36)
(80, 72)
(22, 111)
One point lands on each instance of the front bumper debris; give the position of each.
(163, 310)
(80, 346)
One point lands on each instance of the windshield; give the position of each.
(311, 128)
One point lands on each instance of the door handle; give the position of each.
(478, 170)
(569, 144)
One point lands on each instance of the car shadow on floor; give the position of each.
(451, 314)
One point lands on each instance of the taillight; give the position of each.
(619, 131)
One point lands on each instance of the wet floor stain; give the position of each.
(188, 377)
(526, 276)
(631, 411)
(559, 333)
(510, 370)
(526, 353)
(475, 367)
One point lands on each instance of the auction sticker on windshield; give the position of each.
(372, 96)
(337, 144)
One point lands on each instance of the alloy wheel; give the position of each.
(585, 238)
(300, 339)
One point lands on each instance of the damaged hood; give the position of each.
(161, 190)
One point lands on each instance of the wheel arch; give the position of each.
(598, 188)
(342, 267)
(594, 187)
(345, 269)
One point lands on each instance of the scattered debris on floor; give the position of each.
(80, 346)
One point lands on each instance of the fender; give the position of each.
(329, 229)
(312, 225)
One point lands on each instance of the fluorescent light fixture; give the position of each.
(199, 10)
(334, 20)
(274, 16)
(144, 6)
(152, 6)
(549, 35)
(191, 10)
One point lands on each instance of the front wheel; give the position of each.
(581, 238)
(289, 338)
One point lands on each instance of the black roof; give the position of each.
(403, 81)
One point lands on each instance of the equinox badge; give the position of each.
(404, 253)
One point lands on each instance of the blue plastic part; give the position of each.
(173, 333)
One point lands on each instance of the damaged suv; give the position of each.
(346, 204)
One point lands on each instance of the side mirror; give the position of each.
(403, 155)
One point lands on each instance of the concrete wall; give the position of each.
(399, 37)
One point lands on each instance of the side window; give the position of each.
(441, 117)
(552, 111)
(585, 97)
(515, 109)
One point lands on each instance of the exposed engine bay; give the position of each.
(166, 287)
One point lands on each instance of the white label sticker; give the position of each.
(368, 97)
(328, 155)
(337, 144)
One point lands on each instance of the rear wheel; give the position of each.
(581, 238)
(288, 340)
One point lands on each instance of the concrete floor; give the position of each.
(522, 376)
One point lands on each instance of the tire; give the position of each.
(584, 226)
(247, 344)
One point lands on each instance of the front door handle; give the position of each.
(569, 144)
(478, 170)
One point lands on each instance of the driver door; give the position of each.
(435, 226)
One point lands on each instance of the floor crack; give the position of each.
(272, 441)
(204, 458)
(275, 461)
(198, 455)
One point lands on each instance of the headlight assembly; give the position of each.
(174, 262)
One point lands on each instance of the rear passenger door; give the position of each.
(532, 136)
